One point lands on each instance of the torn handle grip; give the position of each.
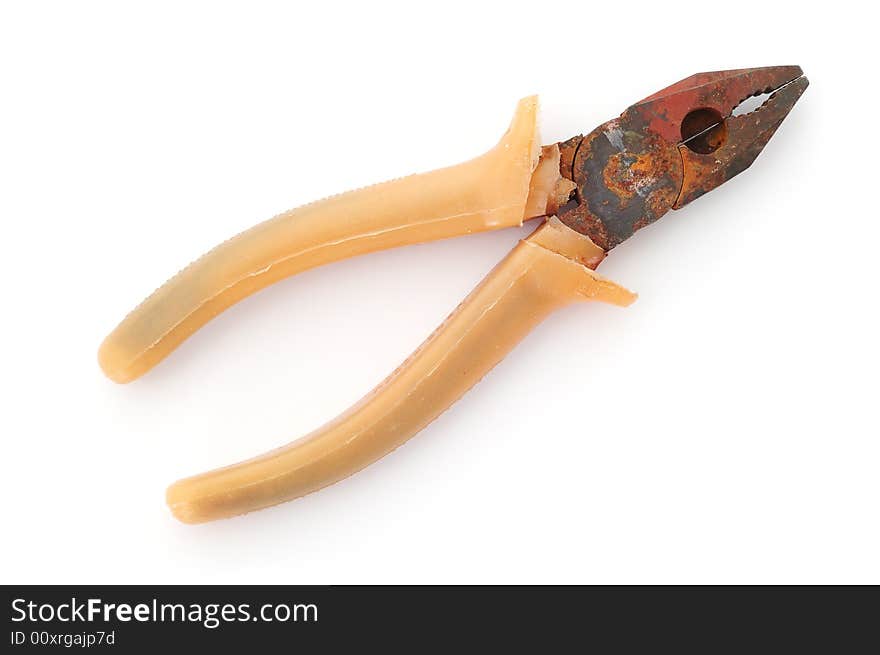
(485, 193)
(531, 282)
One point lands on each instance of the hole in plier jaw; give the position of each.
(703, 130)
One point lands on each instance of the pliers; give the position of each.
(593, 191)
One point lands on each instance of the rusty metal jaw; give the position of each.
(670, 148)
(739, 141)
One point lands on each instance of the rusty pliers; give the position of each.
(594, 191)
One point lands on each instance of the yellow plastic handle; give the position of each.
(542, 273)
(489, 192)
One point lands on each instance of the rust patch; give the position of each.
(627, 178)
(567, 151)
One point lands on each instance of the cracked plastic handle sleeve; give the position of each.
(543, 273)
(485, 193)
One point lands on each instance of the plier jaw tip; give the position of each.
(721, 135)
(672, 147)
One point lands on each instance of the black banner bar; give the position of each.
(321, 619)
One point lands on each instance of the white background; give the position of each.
(723, 429)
